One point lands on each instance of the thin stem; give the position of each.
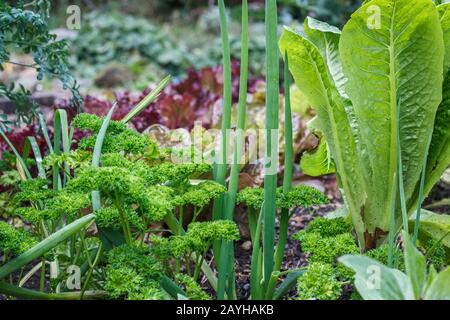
(198, 266)
(225, 267)
(252, 222)
(78, 250)
(392, 225)
(91, 270)
(255, 281)
(196, 214)
(123, 218)
(42, 278)
(86, 250)
(34, 66)
(30, 274)
(31, 294)
(226, 115)
(402, 188)
(421, 192)
(181, 220)
(287, 179)
(271, 158)
(220, 165)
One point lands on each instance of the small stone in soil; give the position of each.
(247, 245)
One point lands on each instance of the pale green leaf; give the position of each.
(416, 266)
(432, 273)
(150, 98)
(394, 73)
(444, 14)
(440, 287)
(439, 154)
(313, 79)
(326, 38)
(300, 103)
(317, 162)
(434, 226)
(375, 281)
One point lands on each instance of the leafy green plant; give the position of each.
(298, 196)
(130, 185)
(14, 241)
(434, 227)
(435, 252)
(416, 284)
(324, 241)
(116, 40)
(133, 272)
(25, 30)
(319, 283)
(383, 129)
(193, 290)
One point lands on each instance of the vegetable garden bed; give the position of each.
(327, 180)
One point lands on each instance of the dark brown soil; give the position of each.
(441, 191)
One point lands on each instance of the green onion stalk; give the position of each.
(271, 157)
(220, 167)
(287, 179)
(226, 266)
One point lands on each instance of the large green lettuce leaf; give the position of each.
(434, 226)
(395, 76)
(314, 80)
(444, 14)
(439, 154)
(326, 38)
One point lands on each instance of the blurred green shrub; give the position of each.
(24, 30)
(148, 48)
(106, 37)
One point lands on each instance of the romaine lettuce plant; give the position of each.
(380, 90)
